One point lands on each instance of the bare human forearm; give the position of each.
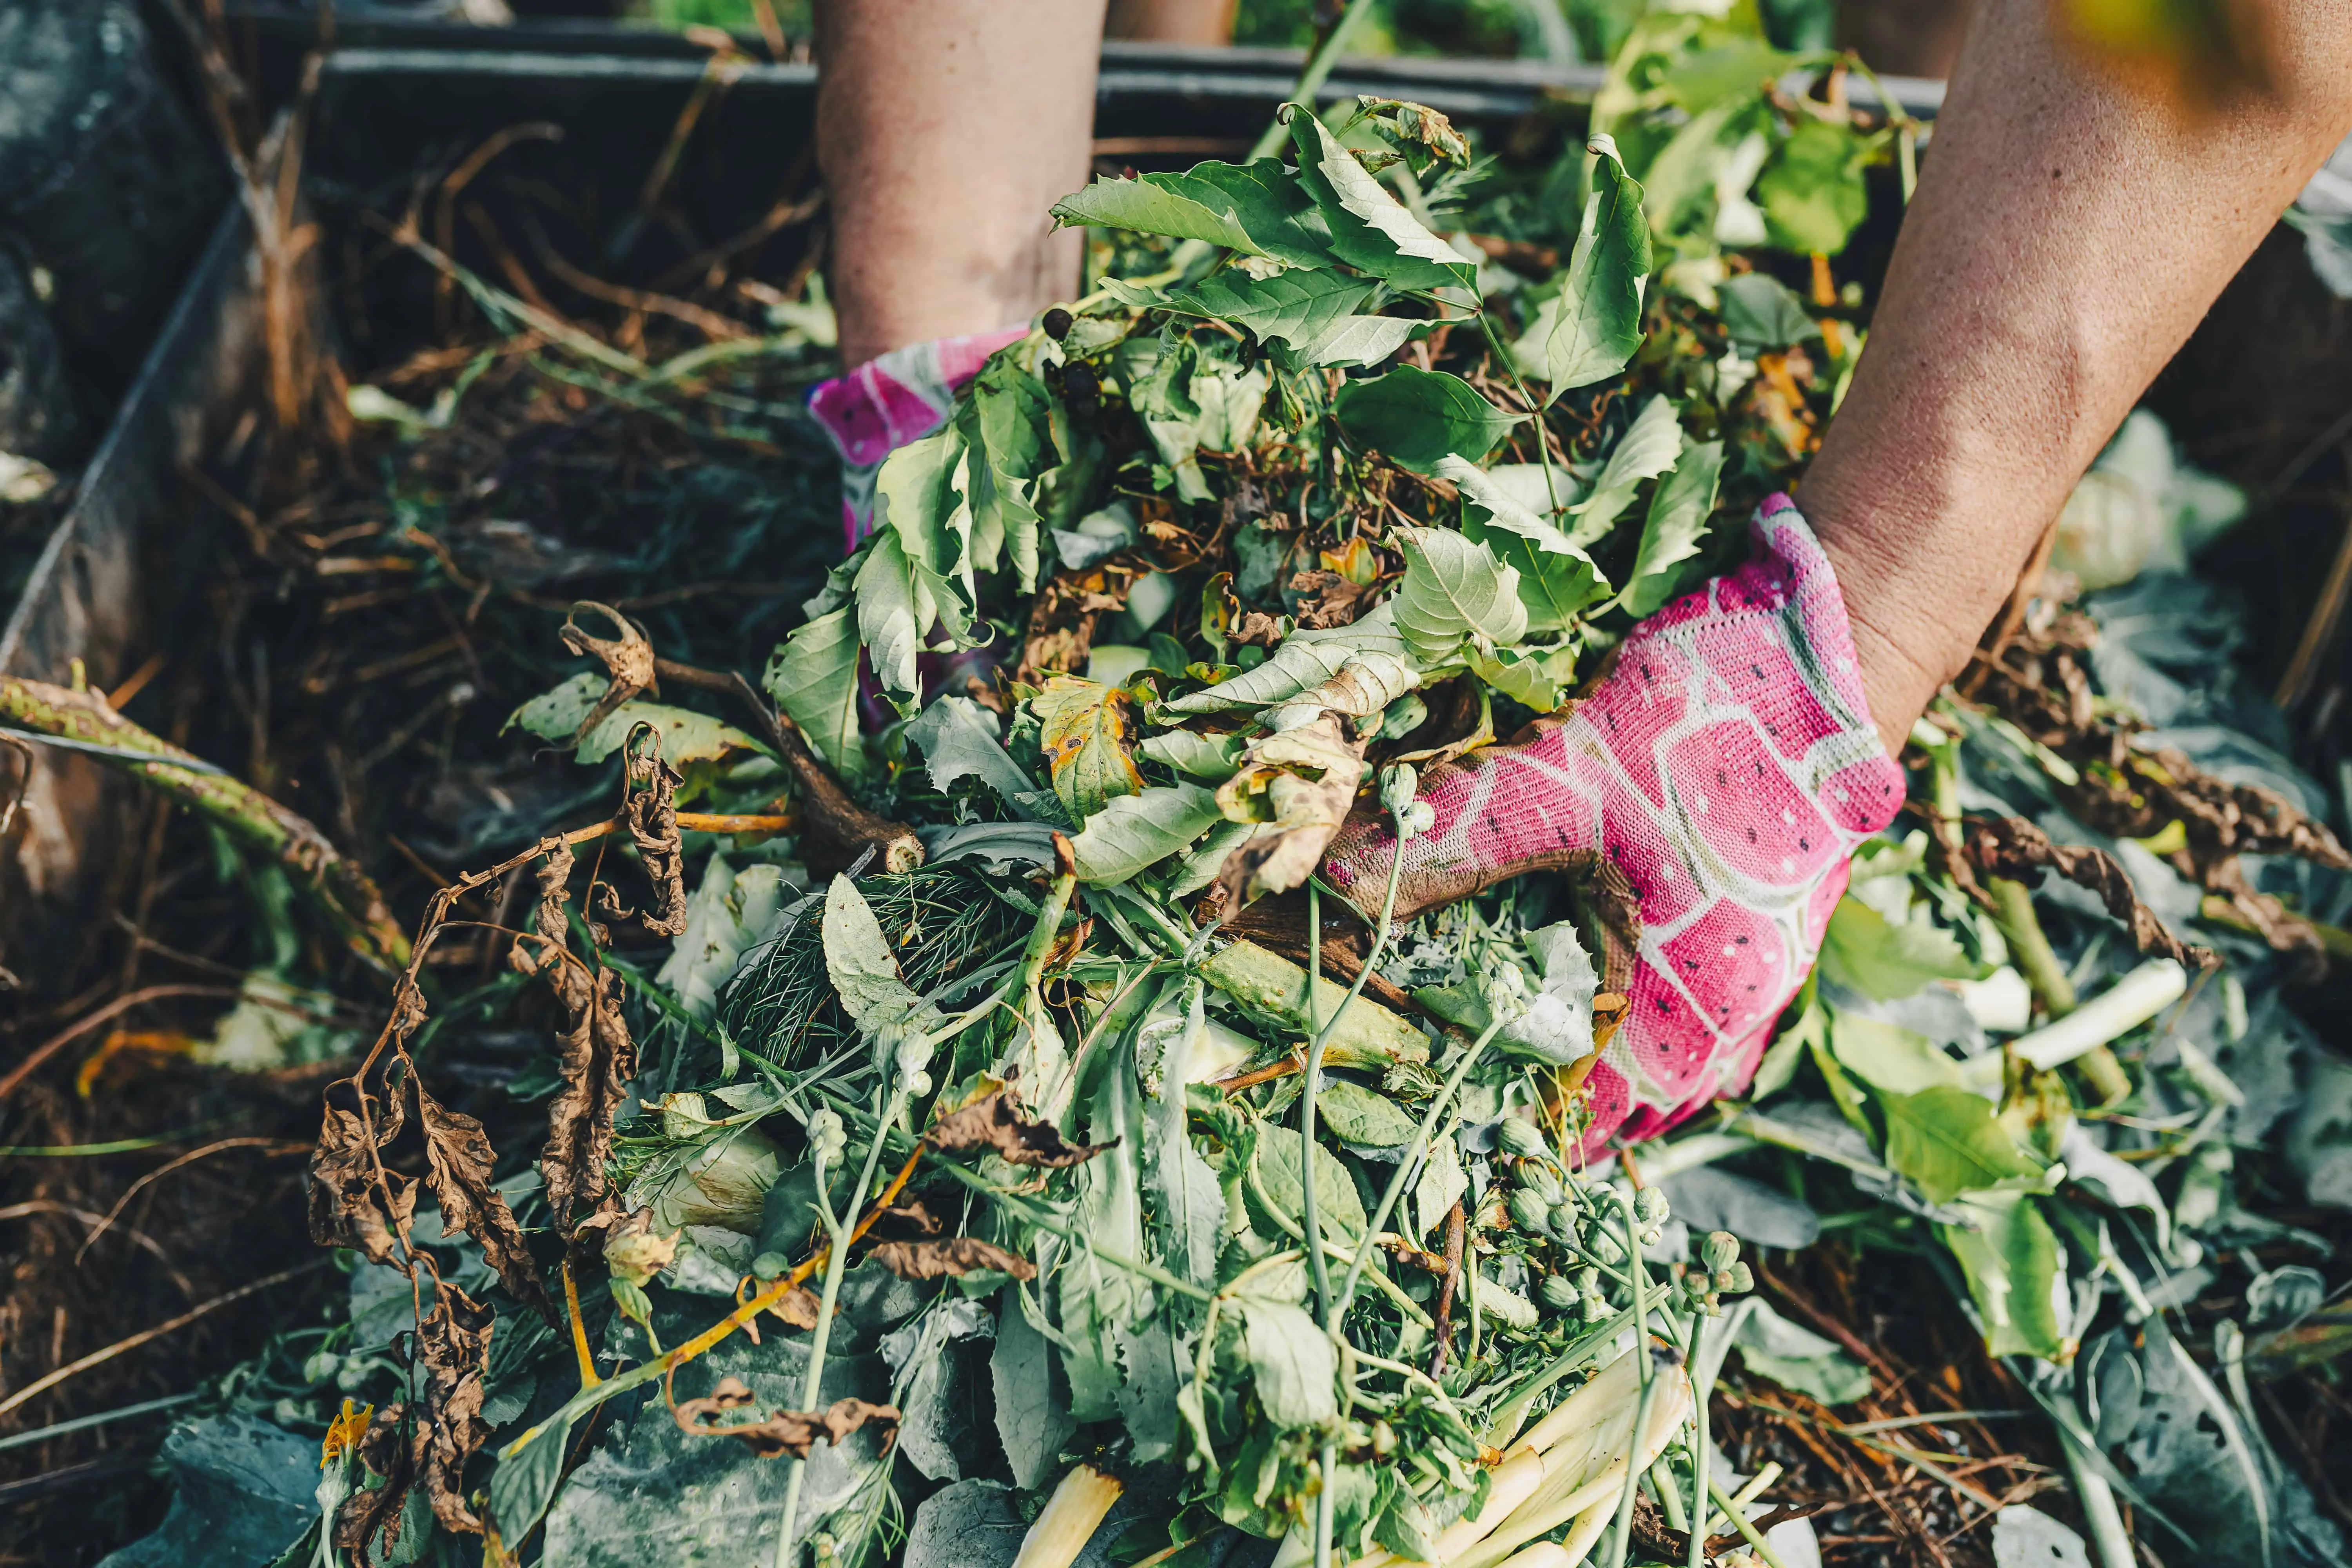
(2066, 236)
(945, 130)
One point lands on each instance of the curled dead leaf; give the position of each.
(599, 1057)
(1332, 600)
(649, 806)
(793, 1432)
(2013, 847)
(1301, 780)
(391, 1448)
(998, 1123)
(946, 1256)
(458, 1160)
(454, 1343)
(628, 661)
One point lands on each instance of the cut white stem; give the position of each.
(1590, 1527)
(2113, 1012)
(1611, 1386)
(1567, 1495)
(1546, 1554)
(1072, 1515)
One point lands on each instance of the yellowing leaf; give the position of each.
(1086, 731)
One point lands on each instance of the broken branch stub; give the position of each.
(628, 661)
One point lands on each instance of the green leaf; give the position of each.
(1031, 1423)
(1190, 397)
(242, 1491)
(1454, 590)
(1598, 325)
(2016, 1273)
(1084, 729)
(1256, 208)
(1338, 1210)
(1862, 950)
(1811, 188)
(648, 1493)
(1421, 418)
(1132, 832)
(730, 913)
(858, 961)
(812, 676)
(1370, 229)
(1006, 427)
(686, 736)
(1358, 1117)
(1360, 340)
(1538, 677)
(919, 497)
(1294, 307)
(958, 739)
(1949, 1141)
(1760, 312)
(1294, 1364)
(1649, 448)
(1305, 661)
(1888, 1056)
(1210, 757)
(893, 611)
(1557, 579)
(1795, 1357)
(521, 1488)
(1679, 509)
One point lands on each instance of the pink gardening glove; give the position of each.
(1727, 764)
(903, 396)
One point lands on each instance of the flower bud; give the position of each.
(1565, 1218)
(1536, 1177)
(1528, 1212)
(1650, 1205)
(1720, 1251)
(1560, 1294)
(1520, 1138)
(1742, 1280)
(826, 1137)
(1605, 1249)
(1416, 819)
(1398, 786)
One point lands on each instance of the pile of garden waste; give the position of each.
(973, 1136)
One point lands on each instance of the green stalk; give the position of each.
(1701, 1451)
(1738, 1517)
(1638, 1273)
(836, 1265)
(1317, 71)
(1543, 446)
(1310, 1223)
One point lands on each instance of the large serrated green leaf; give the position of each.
(812, 676)
(1292, 307)
(1649, 448)
(1370, 229)
(1454, 590)
(1599, 322)
(1949, 1141)
(1679, 509)
(1006, 425)
(1421, 418)
(1134, 831)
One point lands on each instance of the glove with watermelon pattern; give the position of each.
(1720, 773)
(884, 404)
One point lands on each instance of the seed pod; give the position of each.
(1520, 1138)
(1650, 1206)
(1720, 1251)
(1528, 1212)
(1559, 1293)
(1058, 323)
(1742, 1280)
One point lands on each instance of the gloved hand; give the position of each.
(1727, 764)
(902, 396)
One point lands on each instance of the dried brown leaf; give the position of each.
(599, 1058)
(1331, 599)
(793, 1432)
(1301, 782)
(628, 661)
(998, 1123)
(458, 1160)
(2013, 847)
(392, 1449)
(948, 1255)
(355, 1201)
(649, 809)
(454, 1344)
(799, 1307)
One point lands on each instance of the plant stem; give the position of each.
(1543, 442)
(1638, 1274)
(1310, 1221)
(1738, 1517)
(836, 1229)
(2108, 1536)
(1317, 71)
(1702, 1451)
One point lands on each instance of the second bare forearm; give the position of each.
(2066, 238)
